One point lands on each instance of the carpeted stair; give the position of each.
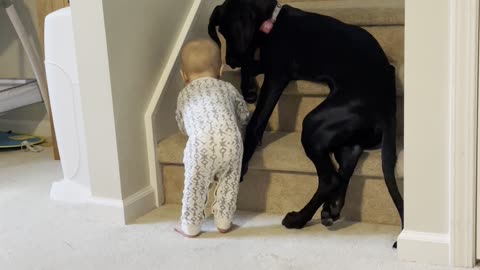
(281, 177)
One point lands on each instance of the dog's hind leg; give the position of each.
(347, 158)
(328, 181)
(315, 140)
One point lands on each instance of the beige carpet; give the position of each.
(36, 233)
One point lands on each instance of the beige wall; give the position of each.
(14, 63)
(426, 116)
(165, 117)
(140, 38)
(13, 60)
(30, 119)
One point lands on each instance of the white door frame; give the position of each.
(463, 130)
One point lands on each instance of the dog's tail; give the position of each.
(389, 150)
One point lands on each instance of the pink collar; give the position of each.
(267, 25)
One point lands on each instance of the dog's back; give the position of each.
(321, 44)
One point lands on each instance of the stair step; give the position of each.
(282, 152)
(281, 179)
(290, 111)
(367, 199)
(298, 99)
(357, 12)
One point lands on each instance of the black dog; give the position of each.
(359, 112)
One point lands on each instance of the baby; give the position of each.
(212, 114)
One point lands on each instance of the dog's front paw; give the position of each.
(249, 90)
(294, 220)
(244, 171)
(251, 96)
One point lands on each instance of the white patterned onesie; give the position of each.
(212, 114)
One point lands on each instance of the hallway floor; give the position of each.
(36, 233)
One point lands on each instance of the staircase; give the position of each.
(281, 178)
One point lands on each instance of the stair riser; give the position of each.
(283, 151)
(391, 38)
(291, 110)
(280, 193)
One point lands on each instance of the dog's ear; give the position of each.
(214, 22)
(264, 9)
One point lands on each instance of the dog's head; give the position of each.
(238, 21)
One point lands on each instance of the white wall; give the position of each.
(140, 38)
(96, 94)
(122, 48)
(426, 132)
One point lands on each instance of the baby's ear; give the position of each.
(184, 76)
(221, 71)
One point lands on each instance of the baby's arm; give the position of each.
(179, 114)
(240, 107)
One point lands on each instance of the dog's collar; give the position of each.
(267, 25)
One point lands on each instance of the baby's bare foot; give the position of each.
(231, 228)
(182, 233)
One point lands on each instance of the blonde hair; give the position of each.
(200, 57)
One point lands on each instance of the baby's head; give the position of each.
(201, 58)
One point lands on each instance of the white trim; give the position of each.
(133, 207)
(150, 126)
(130, 200)
(431, 248)
(138, 196)
(117, 203)
(139, 204)
(69, 191)
(463, 130)
(436, 238)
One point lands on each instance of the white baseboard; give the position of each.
(127, 210)
(422, 247)
(116, 203)
(139, 204)
(132, 207)
(70, 192)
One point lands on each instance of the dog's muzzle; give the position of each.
(233, 63)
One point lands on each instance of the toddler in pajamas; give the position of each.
(212, 114)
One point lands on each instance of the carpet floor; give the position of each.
(37, 233)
